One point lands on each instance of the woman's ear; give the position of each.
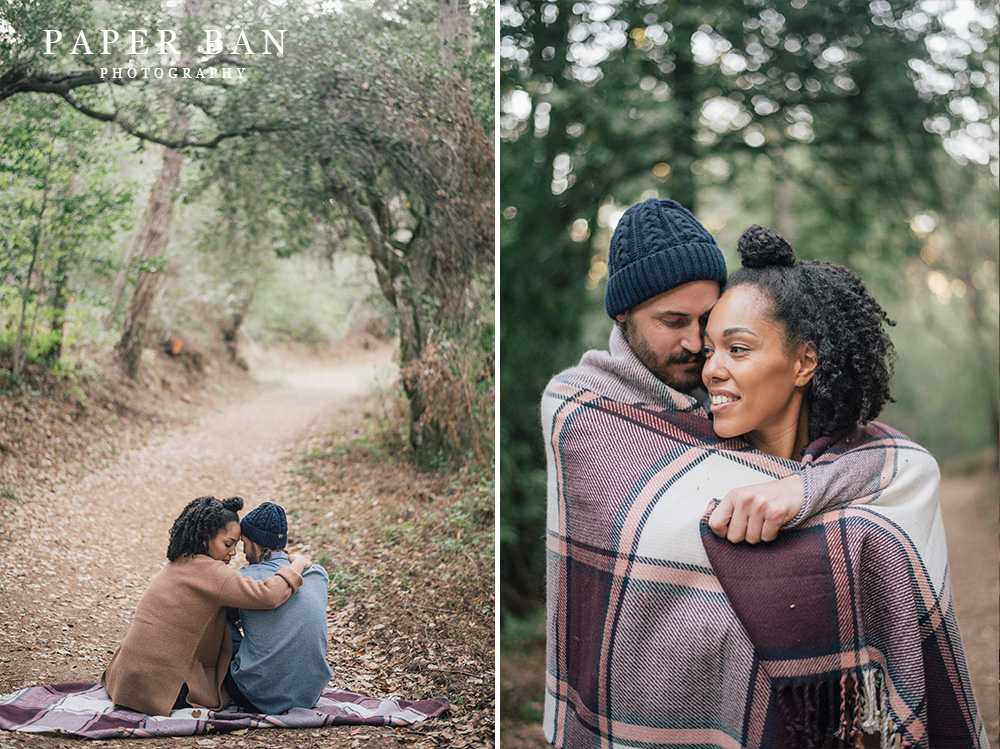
(806, 364)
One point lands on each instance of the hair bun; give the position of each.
(760, 248)
(233, 503)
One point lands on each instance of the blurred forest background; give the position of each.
(865, 131)
(343, 185)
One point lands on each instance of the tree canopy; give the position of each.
(357, 106)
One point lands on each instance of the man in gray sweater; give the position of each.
(279, 662)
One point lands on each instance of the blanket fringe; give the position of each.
(845, 708)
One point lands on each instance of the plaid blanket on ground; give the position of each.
(86, 710)
(644, 648)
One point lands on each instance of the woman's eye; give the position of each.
(707, 352)
(738, 349)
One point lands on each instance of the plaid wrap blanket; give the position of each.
(86, 710)
(852, 633)
(644, 648)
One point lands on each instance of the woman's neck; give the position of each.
(787, 439)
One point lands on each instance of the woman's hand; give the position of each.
(300, 563)
(756, 513)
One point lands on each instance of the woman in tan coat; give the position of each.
(177, 649)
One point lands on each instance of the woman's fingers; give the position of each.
(770, 528)
(756, 513)
(752, 534)
(718, 521)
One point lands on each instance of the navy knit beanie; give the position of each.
(265, 524)
(657, 246)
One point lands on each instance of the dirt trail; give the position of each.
(970, 514)
(77, 558)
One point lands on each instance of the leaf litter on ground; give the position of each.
(409, 554)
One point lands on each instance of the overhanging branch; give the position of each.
(19, 80)
(169, 142)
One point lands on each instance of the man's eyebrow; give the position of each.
(672, 313)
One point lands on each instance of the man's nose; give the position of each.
(693, 339)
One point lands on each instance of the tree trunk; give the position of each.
(158, 224)
(396, 282)
(36, 240)
(456, 31)
(121, 279)
(23, 335)
(230, 328)
(60, 301)
(783, 197)
(688, 100)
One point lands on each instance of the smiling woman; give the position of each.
(795, 350)
(756, 381)
(798, 362)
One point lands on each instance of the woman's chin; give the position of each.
(725, 431)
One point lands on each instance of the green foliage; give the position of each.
(358, 109)
(937, 378)
(480, 69)
(448, 529)
(60, 206)
(396, 143)
(458, 384)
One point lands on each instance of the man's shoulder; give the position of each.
(615, 377)
(260, 571)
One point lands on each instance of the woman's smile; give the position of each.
(721, 399)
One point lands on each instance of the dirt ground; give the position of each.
(970, 511)
(78, 554)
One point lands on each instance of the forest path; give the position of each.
(970, 513)
(78, 556)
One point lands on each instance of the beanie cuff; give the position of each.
(659, 272)
(263, 538)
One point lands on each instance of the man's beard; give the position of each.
(687, 380)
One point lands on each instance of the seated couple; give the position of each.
(179, 651)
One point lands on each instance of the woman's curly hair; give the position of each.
(200, 522)
(827, 304)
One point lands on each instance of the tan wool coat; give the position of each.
(179, 634)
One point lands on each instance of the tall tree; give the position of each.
(369, 118)
(399, 147)
(456, 31)
(157, 224)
